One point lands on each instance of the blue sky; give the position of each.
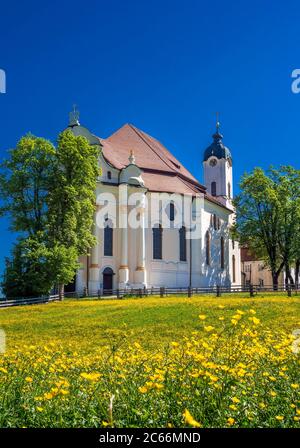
(165, 66)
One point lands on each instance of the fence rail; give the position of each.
(252, 290)
(6, 303)
(218, 291)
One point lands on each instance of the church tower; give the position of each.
(217, 166)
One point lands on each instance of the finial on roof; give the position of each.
(217, 136)
(217, 121)
(131, 158)
(74, 116)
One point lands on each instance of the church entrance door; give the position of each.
(107, 281)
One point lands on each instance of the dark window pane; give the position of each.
(157, 243)
(213, 188)
(222, 253)
(207, 248)
(172, 212)
(108, 241)
(182, 244)
(215, 222)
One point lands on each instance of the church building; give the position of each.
(156, 253)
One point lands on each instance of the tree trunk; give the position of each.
(275, 276)
(288, 276)
(286, 280)
(297, 270)
(61, 291)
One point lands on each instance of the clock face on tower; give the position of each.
(213, 162)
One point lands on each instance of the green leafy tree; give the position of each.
(25, 179)
(26, 274)
(71, 204)
(268, 217)
(287, 185)
(49, 195)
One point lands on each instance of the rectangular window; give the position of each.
(182, 244)
(108, 241)
(157, 243)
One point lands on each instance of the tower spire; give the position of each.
(217, 136)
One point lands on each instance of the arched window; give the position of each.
(108, 174)
(157, 243)
(233, 268)
(222, 253)
(182, 244)
(213, 188)
(108, 239)
(229, 189)
(172, 211)
(207, 248)
(215, 222)
(233, 244)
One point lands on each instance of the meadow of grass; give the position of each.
(152, 362)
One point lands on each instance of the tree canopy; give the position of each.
(49, 195)
(268, 211)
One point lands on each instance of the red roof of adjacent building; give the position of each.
(247, 255)
(162, 172)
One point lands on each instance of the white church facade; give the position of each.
(184, 242)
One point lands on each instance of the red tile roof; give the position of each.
(162, 172)
(247, 255)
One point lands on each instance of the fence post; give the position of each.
(162, 290)
(118, 293)
(289, 290)
(251, 290)
(190, 293)
(218, 291)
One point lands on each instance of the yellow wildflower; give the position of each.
(143, 389)
(189, 419)
(90, 376)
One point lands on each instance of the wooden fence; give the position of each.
(6, 303)
(218, 291)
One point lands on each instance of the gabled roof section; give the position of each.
(149, 153)
(161, 170)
